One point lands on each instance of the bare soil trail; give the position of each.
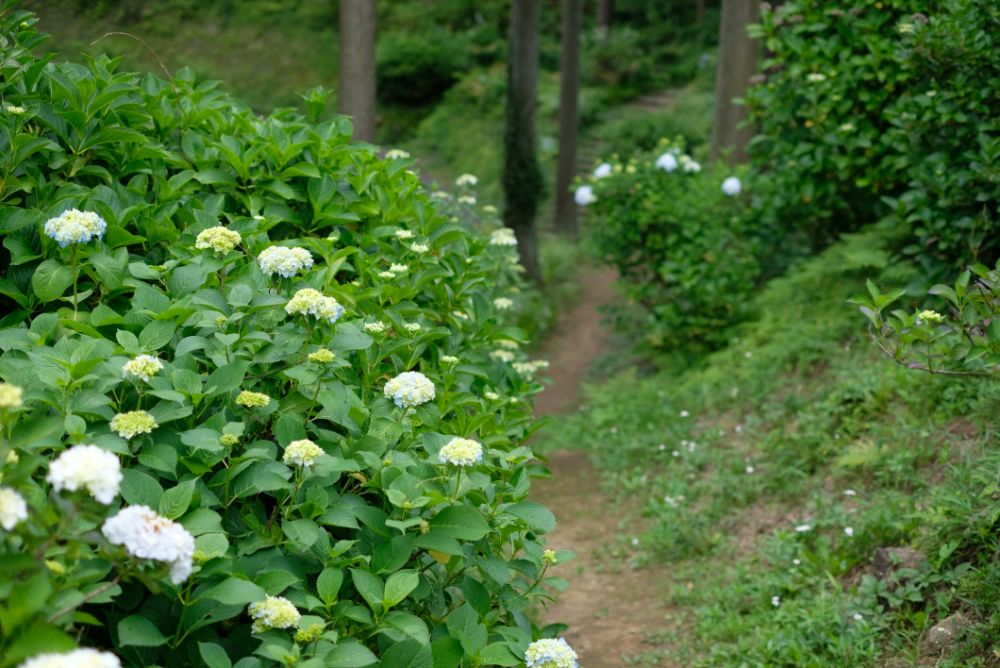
(613, 610)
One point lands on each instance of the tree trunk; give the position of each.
(356, 87)
(569, 121)
(605, 14)
(522, 177)
(737, 63)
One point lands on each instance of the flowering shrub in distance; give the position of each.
(223, 446)
(680, 237)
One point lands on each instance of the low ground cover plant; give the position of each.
(262, 401)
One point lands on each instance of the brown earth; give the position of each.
(614, 610)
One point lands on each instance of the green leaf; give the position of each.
(138, 631)
(408, 654)
(349, 337)
(370, 587)
(328, 584)
(175, 501)
(138, 488)
(156, 334)
(39, 639)
(461, 522)
(289, 427)
(227, 377)
(349, 655)
(213, 655)
(498, 654)
(234, 591)
(303, 533)
(51, 280)
(537, 516)
(398, 587)
(111, 271)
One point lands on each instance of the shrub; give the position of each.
(682, 247)
(418, 68)
(288, 418)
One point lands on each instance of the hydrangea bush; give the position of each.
(680, 238)
(252, 417)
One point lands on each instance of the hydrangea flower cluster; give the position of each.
(374, 327)
(667, 162)
(930, 316)
(403, 235)
(603, 170)
(78, 658)
(584, 196)
(87, 467)
(128, 425)
(252, 399)
(466, 180)
(419, 248)
(502, 355)
(13, 509)
(143, 366)
(148, 535)
(412, 327)
(529, 369)
(461, 452)
(732, 186)
(467, 199)
(284, 261)
(302, 452)
(409, 389)
(689, 165)
(274, 612)
(550, 653)
(75, 227)
(503, 237)
(220, 239)
(313, 302)
(11, 396)
(322, 356)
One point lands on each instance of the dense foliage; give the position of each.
(224, 305)
(682, 244)
(881, 108)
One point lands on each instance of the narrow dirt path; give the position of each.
(613, 610)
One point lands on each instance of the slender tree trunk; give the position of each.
(522, 177)
(569, 121)
(605, 14)
(737, 63)
(356, 88)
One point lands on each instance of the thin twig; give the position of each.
(920, 367)
(70, 608)
(163, 67)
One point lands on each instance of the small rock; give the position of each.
(943, 635)
(889, 560)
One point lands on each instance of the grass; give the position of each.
(771, 471)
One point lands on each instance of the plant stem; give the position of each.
(76, 276)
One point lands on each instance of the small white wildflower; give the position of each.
(386, 275)
(467, 200)
(503, 303)
(815, 77)
(603, 170)
(302, 452)
(258, 217)
(661, 447)
(412, 327)
(797, 562)
(858, 616)
(503, 237)
(147, 535)
(75, 227)
(849, 532)
(906, 28)
(848, 127)
(489, 208)
(396, 154)
(460, 315)
(584, 196)
(635, 542)
(466, 180)
(849, 492)
(690, 166)
(14, 110)
(461, 452)
(675, 453)
(219, 239)
(396, 268)
(749, 469)
(13, 508)
(667, 162)
(748, 354)
(502, 355)
(284, 261)
(732, 186)
(274, 612)
(373, 327)
(87, 467)
(684, 414)
(409, 389)
(508, 344)
(143, 366)
(492, 396)
(419, 248)
(803, 528)
(776, 601)
(550, 653)
(449, 359)
(404, 234)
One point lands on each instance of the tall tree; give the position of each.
(605, 14)
(569, 121)
(356, 88)
(737, 63)
(522, 177)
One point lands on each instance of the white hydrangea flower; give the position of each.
(412, 327)
(75, 227)
(274, 612)
(667, 162)
(419, 248)
(550, 653)
(815, 77)
(584, 196)
(284, 261)
(410, 388)
(508, 344)
(90, 467)
(529, 369)
(396, 154)
(398, 268)
(130, 424)
(404, 234)
(776, 601)
(302, 452)
(77, 658)
(386, 275)
(143, 366)
(468, 200)
(502, 355)
(461, 452)
(732, 186)
(503, 303)
(148, 535)
(313, 302)
(690, 166)
(13, 509)
(11, 396)
(466, 180)
(374, 327)
(219, 239)
(503, 237)
(602, 170)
